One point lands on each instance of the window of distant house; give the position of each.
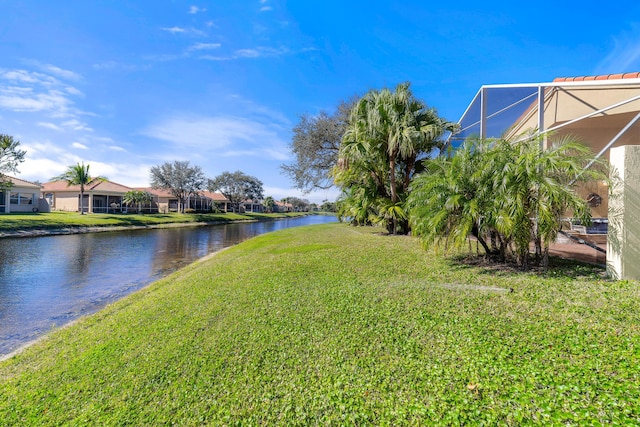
(17, 198)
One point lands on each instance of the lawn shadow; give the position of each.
(558, 267)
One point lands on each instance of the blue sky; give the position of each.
(125, 85)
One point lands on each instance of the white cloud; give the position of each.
(48, 125)
(65, 74)
(24, 76)
(46, 159)
(24, 99)
(174, 30)
(73, 91)
(195, 9)
(116, 148)
(265, 8)
(258, 52)
(80, 146)
(29, 91)
(114, 65)
(122, 173)
(77, 125)
(205, 46)
(221, 135)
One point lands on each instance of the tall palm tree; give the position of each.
(393, 130)
(78, 175)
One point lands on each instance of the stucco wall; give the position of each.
(67, 202)
(623, 242)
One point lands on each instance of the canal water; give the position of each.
(46, 282)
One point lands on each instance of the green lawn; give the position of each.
(334, 325)
(57, 220)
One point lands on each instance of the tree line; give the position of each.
(386, 152)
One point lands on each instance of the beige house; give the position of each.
(283, 207)
(604, 113)
(99, 196)
(207, 201)
(21, 196)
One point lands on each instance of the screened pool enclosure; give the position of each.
(601, 111)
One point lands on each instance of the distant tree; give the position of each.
(268, 204)
(178, 178)
(10, 157)
(237, 187)
(299, 205)
(137, 198)
(327, 206)
(78, 175)
(315, 144)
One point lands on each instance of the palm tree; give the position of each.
(387, 133)
(537, 188)
(502, 193)
(269, 203)
(447, 202)
(78, 175)
(137, 197)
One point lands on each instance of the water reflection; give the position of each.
(49, 281)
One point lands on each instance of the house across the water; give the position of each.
(20, 196)
(104, 196)
(100, 196)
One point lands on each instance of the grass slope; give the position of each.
(332, 325)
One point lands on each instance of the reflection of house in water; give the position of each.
(604, 113)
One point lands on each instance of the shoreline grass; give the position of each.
(64, 220)
(334, 325)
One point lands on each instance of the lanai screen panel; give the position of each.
(503, 106)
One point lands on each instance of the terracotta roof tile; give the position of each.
(96, 185)
(633, 75)
(21, 182)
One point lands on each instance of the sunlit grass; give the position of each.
(333, 325)
(57, 220)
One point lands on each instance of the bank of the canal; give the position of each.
(55, 223)
(49, 281)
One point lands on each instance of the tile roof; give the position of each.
(95, 185)
(21, 182)
(619, 76)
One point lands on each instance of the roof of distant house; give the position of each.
(21, 182)
(95, 185)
